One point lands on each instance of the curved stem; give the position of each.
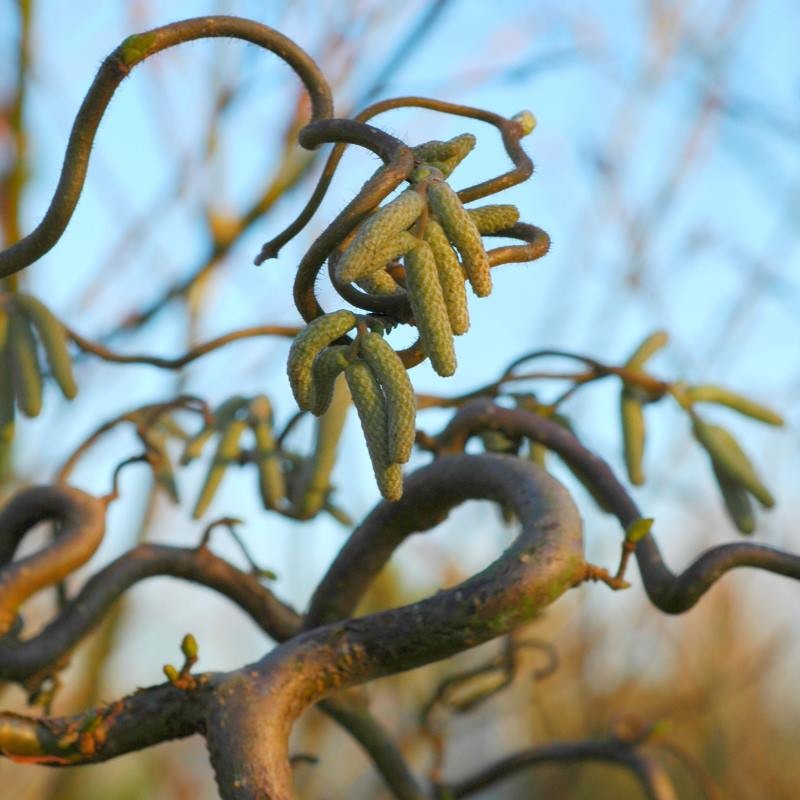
(256, 706)
(652, 777)
(112, 72)
(522, 171)
(81, 520)
(399, 163)
(21, 659)
(670, 592)
(178, 362)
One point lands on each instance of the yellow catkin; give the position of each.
(401, 404)
(371, 407)
(227, 453)
(429, 309)
(731, 460)
(445, 156)
(271, 480)
(307, 345)
(633, 435)
(367, 252)
(314, 482)
(451, 277)
(328, 365)
(737, 502)
(6, 388)
(647, 349)
(25, 369)
(490, 219)
(222, 415)
(380, 283)
(54, 340)
(463, 234)
(737, 402)
(158, 459)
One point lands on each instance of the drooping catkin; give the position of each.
(401, 405)
(429, 309)
(314, 481)
(328, 365)
(729, 458)
(26, 372)
(366, 253)
(53, 337)
(451, 277)
(307, 345)
(371, 407)
(271, 480)
(227, 453)
(463, 234)
(633, 435)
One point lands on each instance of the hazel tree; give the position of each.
(418, 257)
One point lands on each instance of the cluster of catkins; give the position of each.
(297, 487)
(23, 321)
(425, 245)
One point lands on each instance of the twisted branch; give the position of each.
(257, 705)
(670, 592)
(112, 72)
(653, 778)
(81, 525)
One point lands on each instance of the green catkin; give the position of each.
(724, 397)
(731, 460)
(445, 156)
(314, 482)
(380, 283)
(367, 252)
(54, 340)
(307, 345)
(222, 415)
(633, 435)
(160, 464)
(491, 219)
(463, 234)
(371, 407)
(429, 309)
(451, 277)
(271, 481)
(401, 404)
(647, 349)
(737, 502)
(389, 250)
(6, 388)
(227, 453)
(328, 365)
(25, 369)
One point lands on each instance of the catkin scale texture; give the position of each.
(463, 235)
(371, 407)
(368, 250)
(328, 365)
(429, 309)
(490, 219)
(307, 345)
(451, 277)
(401, 406)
